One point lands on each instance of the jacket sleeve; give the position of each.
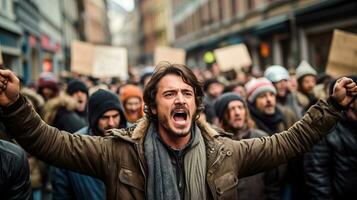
(259, 154)
(85, 154)
(317, 171)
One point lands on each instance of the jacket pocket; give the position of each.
(131, 178)
(226, 186)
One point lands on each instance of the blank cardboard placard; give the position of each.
(233, 57)
(82, 57)
(172, 55)
(342, 59)
(110, 62)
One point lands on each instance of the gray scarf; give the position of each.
(162, 183)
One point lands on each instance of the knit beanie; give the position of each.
(128, 91)
(48, 80)
(276, 73)
(304, 69)
(75, 86)
(100, 102)
(221, 104)
(255, 87)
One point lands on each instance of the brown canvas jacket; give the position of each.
(120, 162)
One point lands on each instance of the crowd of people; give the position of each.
(180, 133)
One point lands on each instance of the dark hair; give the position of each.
(163, 69)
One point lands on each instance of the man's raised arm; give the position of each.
(75, 152)
(263, 153)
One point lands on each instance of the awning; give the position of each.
(271, 25)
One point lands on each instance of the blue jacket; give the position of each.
(72, 185)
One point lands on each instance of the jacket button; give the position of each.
(229, 153)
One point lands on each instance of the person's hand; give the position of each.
(9, 88)
(344, 91)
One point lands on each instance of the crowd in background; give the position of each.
(240, 104)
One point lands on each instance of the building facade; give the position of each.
(10, 37)
(124, 30)
(70, 28)
(275, 31)
(93, 21)
(156, 27)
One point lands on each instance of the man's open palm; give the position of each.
(9, 87)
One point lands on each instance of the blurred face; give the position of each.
(240, 90)
(282, 88)
(266, 102)
(308, 83)
(109, 120)
(81, 99)
(215, 89)
(236, 115)
(175, 110)
(132, 106)
(47, 93)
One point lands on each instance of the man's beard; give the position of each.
(171, 132)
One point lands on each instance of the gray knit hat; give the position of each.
(304, 69)
(221, 104)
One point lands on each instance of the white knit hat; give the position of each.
(255, 87)
(305, 68)
(276, 73)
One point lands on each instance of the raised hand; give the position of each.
(344, 91)
(9, 87)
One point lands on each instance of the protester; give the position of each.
(105, 113)
(237, 88)
(269, 117)
(47, 86)
(233, 114)
(14, 172)
(213, 89)
(170, 154)
(132, 98)
(331, 165)
(79, 91)
(306, 78)
(279, 76)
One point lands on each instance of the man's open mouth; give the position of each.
(180, 116)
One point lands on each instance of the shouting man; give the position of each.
(169, 154)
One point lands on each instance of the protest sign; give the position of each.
(172, 55)
(110, 62)
(233, 57)
(342, 59)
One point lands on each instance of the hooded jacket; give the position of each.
(119, 160)
(60, 113)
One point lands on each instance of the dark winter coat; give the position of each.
(119, 160)
(60, 113)
(14, 172)
(331, 167)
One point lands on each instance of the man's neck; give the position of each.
(175, 142)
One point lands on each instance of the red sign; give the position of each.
(49, 44)
(32, 40)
